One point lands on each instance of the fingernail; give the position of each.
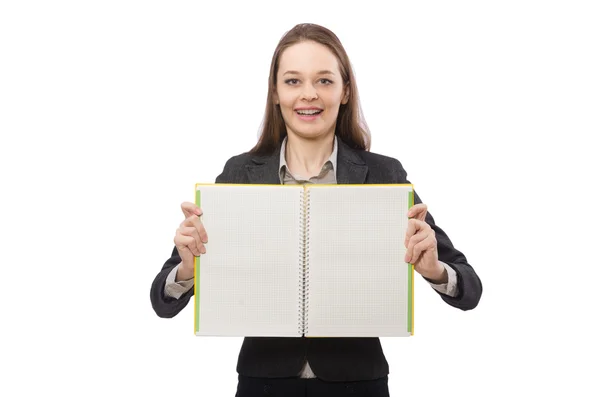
(406, 258)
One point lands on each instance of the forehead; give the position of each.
(307, 57)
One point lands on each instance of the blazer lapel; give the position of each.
(351, 169)
(264, 169)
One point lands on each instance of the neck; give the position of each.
(305, 157)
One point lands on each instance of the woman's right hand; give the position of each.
(189, 240)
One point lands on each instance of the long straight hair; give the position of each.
(350, 126)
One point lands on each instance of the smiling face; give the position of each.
(309, 90)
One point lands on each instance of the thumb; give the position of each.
(189, 209)
(418, 211)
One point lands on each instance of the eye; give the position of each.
(291, 81)
(325, 81)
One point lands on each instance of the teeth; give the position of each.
(308, 112)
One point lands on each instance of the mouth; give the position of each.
(311, 112)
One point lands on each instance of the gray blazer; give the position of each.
(330, 358)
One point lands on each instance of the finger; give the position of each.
(414, 225)
(190, 243)
(186, 242)
(193, 232)
(418, 211)
(426, 244)
(415, 209)
(184, 252)
(190, 209)
(201, 230)
(194, 221)
(412, 243)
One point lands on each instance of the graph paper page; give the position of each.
(358, 280)
(249, 277)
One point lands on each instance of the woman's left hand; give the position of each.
(421, 246)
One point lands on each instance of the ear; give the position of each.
(346, 96)
(275, 98)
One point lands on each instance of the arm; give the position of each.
(165, 304)
(468, 288)
(468, 284)
(448, 286)
(175, 288)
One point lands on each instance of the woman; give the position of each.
(313, 132)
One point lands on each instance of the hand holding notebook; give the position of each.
(421, 246)
(189, 240)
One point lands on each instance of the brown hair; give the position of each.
(350, 127)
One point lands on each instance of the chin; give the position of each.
(309, 133)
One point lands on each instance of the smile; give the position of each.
(311, 112)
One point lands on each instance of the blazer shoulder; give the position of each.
(385, 167)
(234, 168)
(239, 160)
(371, 158)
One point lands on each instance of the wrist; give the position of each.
(440, 276)
(184, 273)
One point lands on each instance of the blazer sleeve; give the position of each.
(468, 282)
(167, 307)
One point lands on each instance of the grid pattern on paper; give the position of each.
(249, 275)
(358, 277)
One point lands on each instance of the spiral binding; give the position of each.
(303, 257)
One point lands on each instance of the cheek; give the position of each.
(333, 105)
(333, 99)
(286, 103)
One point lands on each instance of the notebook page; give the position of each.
(249, 277)
(358, 280)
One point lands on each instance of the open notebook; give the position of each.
(313, 260)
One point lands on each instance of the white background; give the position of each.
(110, 111)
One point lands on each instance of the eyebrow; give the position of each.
(319, 72)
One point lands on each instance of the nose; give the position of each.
(309, 92)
